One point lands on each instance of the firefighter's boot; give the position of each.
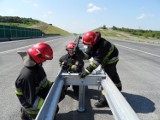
(102, 102)
(24, 115)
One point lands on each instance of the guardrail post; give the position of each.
(74, 79)
(81, 107)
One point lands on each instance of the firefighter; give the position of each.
(32, 85)
(72, 62)
(104, 53)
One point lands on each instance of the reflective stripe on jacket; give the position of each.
(32, 87)
(74, 63)
(103, 52)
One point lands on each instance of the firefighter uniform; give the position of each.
(32, 87)
(72, 64)
(105, 54)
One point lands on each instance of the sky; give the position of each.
(79, 16)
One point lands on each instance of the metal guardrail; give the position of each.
(119, 106)
(74, 79)
(117, 103)
(47, 112)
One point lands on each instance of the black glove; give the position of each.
(83, 74)
(66, 65)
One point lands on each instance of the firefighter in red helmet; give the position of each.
(104, 53)
(72, 62)
(32, 85)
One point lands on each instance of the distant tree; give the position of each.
(16, 19)
(104, 27)
(114, 28)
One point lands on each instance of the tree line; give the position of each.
(140, 32)
(16, 19)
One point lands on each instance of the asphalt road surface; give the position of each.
(138, 68)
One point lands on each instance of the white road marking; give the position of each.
(8, 51)
(12, 50)
(138, 50)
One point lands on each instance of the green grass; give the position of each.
(111, 34)
(44, 27)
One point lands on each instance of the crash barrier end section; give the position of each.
(117, 103)
(46, 112)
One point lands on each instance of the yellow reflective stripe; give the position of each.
(73, 67)
(18, 92)
(102, 92)
(32, 111)
(109, 53)
(93, 64)
(50, 83)
(45, 84)
(87, 71)
(115, 59)
(40, 103)
(110, 62)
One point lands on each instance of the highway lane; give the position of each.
(20, 44)
(11, 64)
(139, 69)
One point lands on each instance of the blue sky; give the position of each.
(79, 16)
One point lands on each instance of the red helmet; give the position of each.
(70, 45)
(41, 52)
(89, 38)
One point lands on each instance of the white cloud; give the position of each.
(93, 8)
(141, 16)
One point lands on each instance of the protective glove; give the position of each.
(83, 74)
(66, 65)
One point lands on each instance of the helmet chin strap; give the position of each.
(26, 59)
